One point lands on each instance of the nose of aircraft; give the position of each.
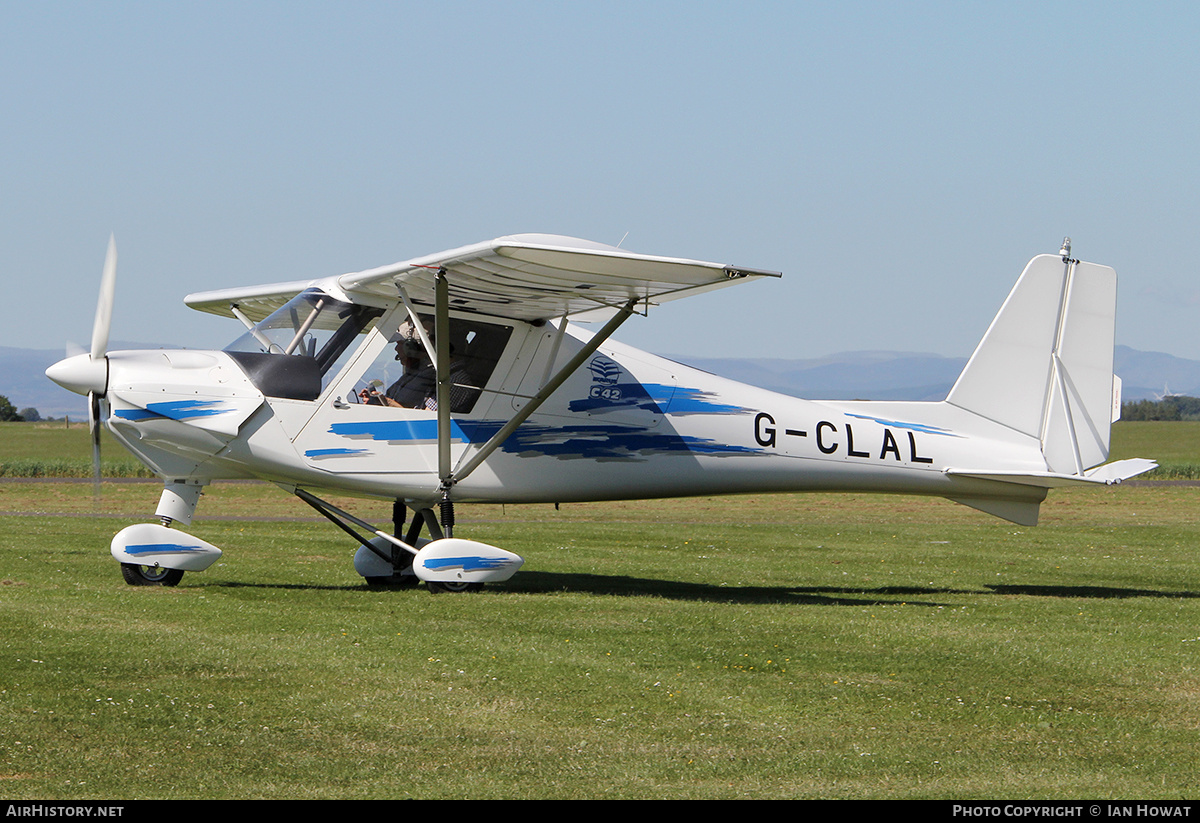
(81, 374)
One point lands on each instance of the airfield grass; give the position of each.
(62, 449)
(790, 646)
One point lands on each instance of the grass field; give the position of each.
(823, 646)
(58, 450)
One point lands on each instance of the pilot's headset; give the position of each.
(414, 349)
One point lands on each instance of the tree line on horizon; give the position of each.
(9, 413)
(1179, 407)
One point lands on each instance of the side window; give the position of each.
(403, 375)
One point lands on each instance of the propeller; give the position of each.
(87, 372)
(100, 329)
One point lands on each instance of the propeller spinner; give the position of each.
(87, 373)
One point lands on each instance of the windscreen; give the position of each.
(314, 327)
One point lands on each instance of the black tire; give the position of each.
(396, 581)
(452, 588)
(136, 575)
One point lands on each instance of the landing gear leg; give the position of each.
(401, 560)
(435, 587)
(384, 560)
(446, 564)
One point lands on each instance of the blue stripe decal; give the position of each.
(142, 549)
(655, 398)
(399, 431)
(176, 410)
(696, 401)
(319, 453)
(185, 409)
(469, 564)
(595, 442)
(136, 414)
(897, 424)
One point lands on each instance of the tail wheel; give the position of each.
(136, 575)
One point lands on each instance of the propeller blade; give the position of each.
(108, 285)
(94, 429)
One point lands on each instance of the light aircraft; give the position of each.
(464, 377)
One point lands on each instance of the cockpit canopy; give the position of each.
(302, 345)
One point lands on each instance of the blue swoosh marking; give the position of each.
(656, 398)
(898, 424)
(176, 410)
(695, 401)
(398, 430)
(141, 549)
(136, 414)
(317, 453)
(597, 442)
(469, 564)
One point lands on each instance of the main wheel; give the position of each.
(136, 575)
(400, 581)
(438, 588)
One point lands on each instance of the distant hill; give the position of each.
(863, 375)
(876, 375)
(1148, 375)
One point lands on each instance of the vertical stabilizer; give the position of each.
(1044, 368)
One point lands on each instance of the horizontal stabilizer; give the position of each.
(1025, 512)
(1120, 470)
(1108, 474)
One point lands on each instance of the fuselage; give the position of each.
(625, 425)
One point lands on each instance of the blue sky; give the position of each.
(898, 162)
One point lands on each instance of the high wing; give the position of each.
(520, 277)
(255, 302)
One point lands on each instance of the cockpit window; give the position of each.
(403, 375)
(301, 347)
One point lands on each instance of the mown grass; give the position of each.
(779, 647)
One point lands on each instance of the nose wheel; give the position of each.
(136, 575)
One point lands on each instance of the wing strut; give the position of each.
(439, 352)
(442, 366)
(558, 338)
(469, 465)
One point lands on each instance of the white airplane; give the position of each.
(463, 377)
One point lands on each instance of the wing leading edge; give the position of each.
(520, 277)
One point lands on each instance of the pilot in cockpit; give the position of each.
(417, 387)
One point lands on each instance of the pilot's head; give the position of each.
(409, 347)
